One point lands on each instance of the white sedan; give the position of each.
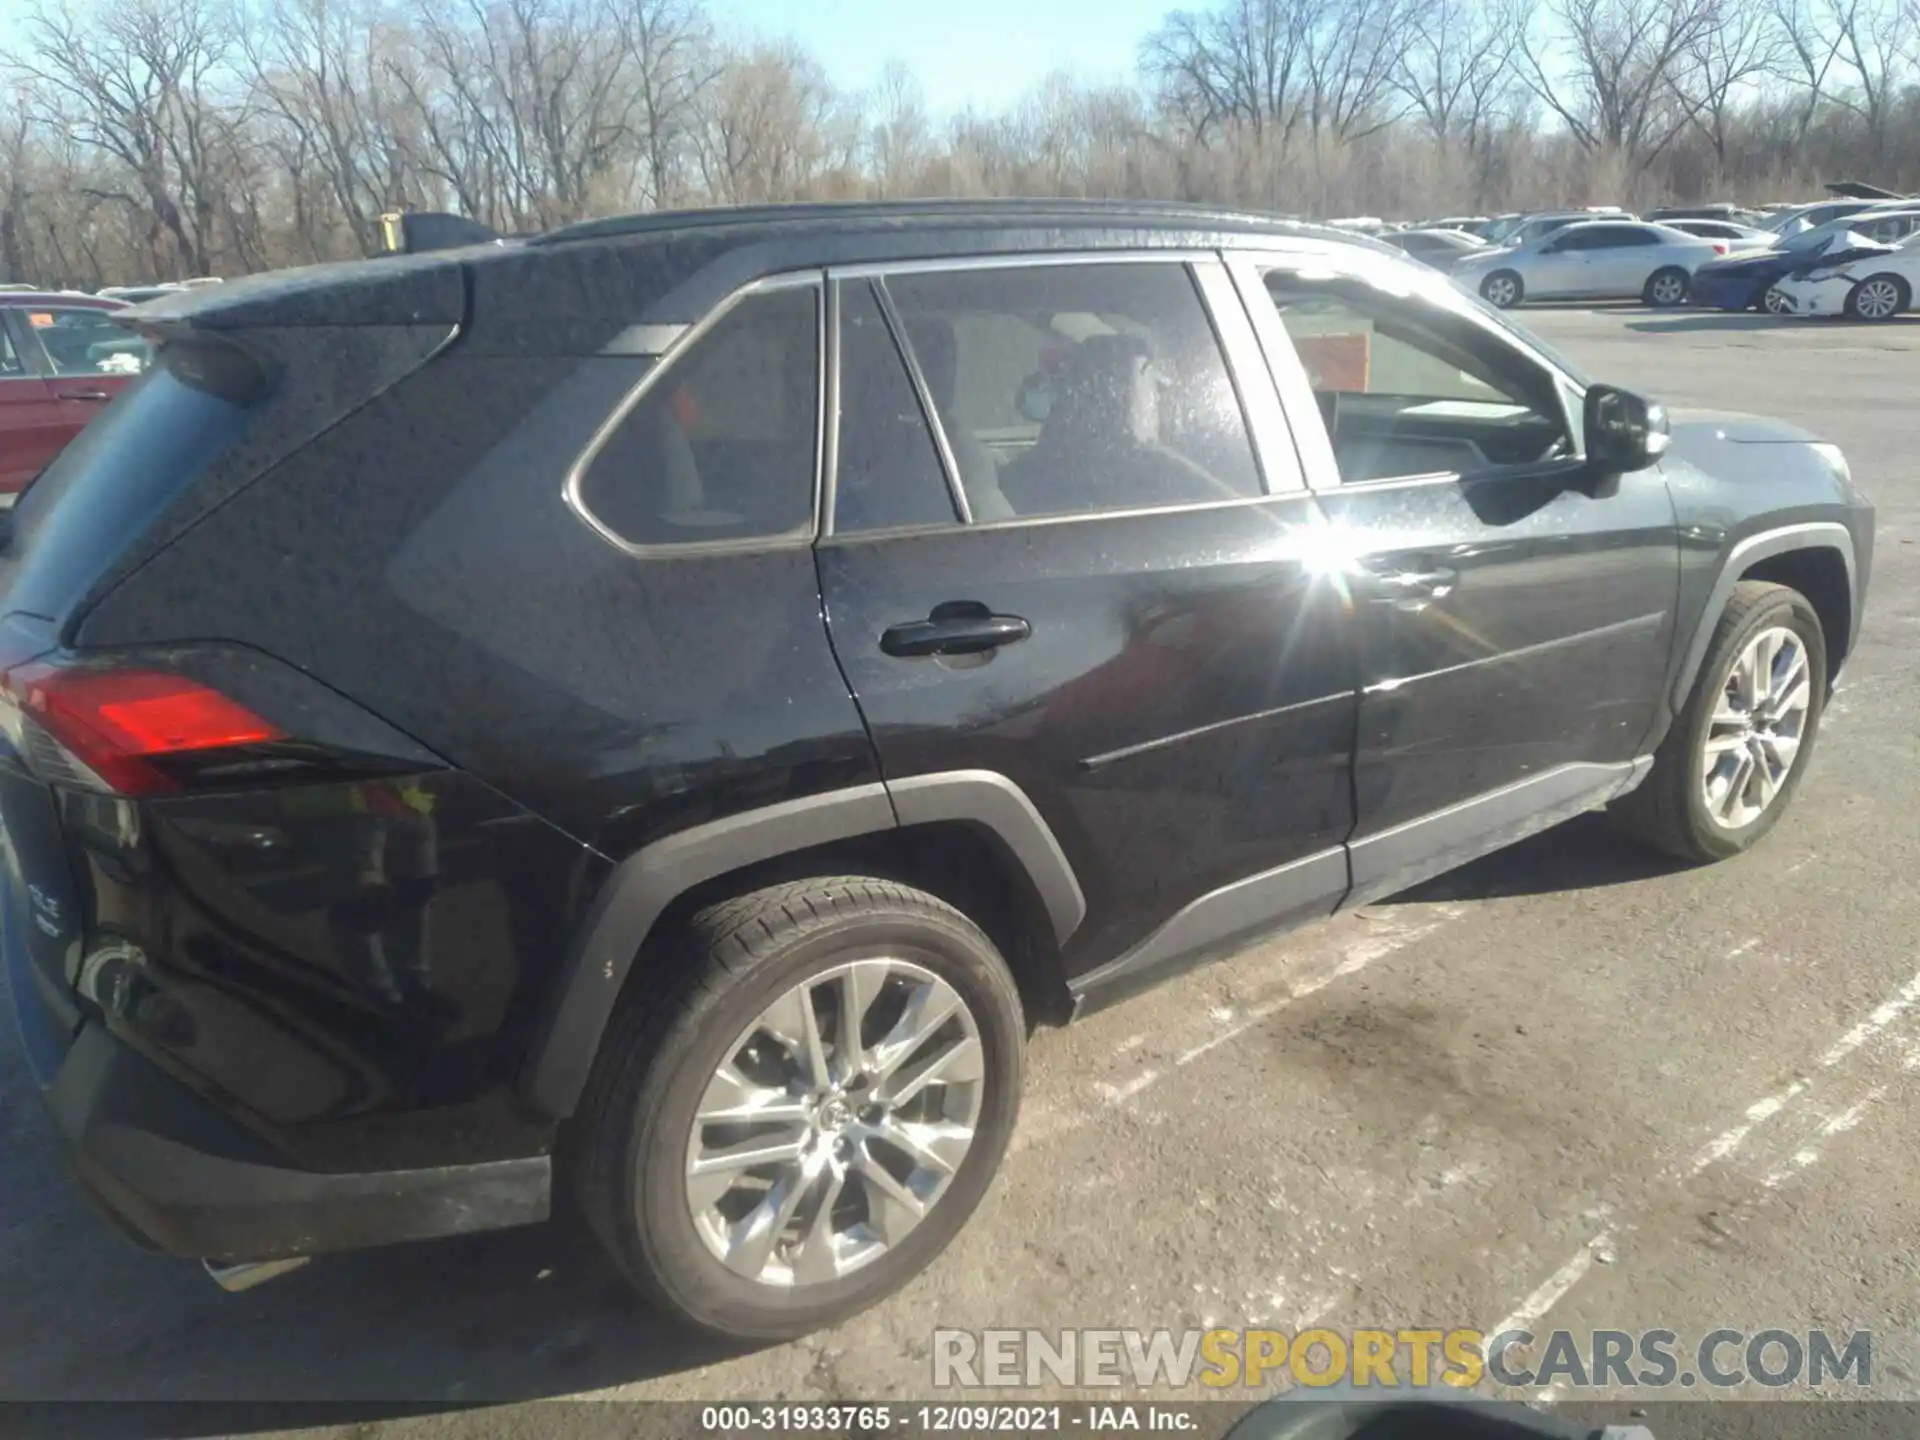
(1873, 287)
(1593, 260)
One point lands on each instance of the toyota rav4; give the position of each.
(655, 712)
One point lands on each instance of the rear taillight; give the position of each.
(108, 728)
(1720, 247)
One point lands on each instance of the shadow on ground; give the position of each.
(1583, 854)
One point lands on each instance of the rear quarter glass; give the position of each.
(212, 415)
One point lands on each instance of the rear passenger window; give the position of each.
(722, 445)
(889, 471)
(1064, 389)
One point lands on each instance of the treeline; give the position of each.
(155, 139)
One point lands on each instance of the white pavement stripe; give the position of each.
(1889, 1011)
(1552, 1289)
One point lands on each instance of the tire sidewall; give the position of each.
(1796, 614)
(654, 1210)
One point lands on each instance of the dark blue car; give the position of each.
(1742, 282)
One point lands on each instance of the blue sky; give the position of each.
(983, 52)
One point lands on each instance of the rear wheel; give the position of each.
(1667, 288)
(802, 1125)
(1734, 757)
(1503, 289)
(1878, 297)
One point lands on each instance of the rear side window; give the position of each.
(889, 473)
(86, 341)
(11, 367)
(722, 444)
(1077, 388)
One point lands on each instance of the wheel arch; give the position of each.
(1816, 558)
(971, 837)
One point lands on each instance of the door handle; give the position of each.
(958, 627)
(81, 395)
(1434, 583)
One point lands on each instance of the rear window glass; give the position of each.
(107, 486)
(723, 443)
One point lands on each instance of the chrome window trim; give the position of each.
(1276, 455)
(923, 395)
(800, 536)
(1021, 522)
(1020, 260)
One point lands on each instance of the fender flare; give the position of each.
(1814, 535)
(643, 885)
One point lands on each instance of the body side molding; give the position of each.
(1813, 535)
(1300, 890)
(644, 884)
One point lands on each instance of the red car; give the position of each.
(62, 358)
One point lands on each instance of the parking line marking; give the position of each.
(1553, 1289)
(1889, 1010)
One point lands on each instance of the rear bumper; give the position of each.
(185, 1178)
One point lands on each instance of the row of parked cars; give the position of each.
(1835, 257)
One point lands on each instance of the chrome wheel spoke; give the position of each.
(817, 1259)
(929, 1008)
(793, 1022)
(938, 1146)
(732, 1099)
(961, 1063)
(750, 1242)
(860, 985)
(893, 1209)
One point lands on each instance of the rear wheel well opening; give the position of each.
(1820, 574)
(966, 865)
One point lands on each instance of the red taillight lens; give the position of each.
(114, 722)
(1719, 247)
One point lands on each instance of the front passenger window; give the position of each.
(1406, 388)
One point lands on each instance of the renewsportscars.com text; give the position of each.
(1402, 1359)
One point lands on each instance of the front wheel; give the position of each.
(1734, 757)
(1774, 303)
(1503, 289)
(1878, 297)
(801, 1124)
(1667, 288)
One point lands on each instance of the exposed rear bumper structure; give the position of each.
(183, 1178)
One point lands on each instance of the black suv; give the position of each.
(655, 710)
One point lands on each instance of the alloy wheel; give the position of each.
(1669, 290)
(1877, 299)
(1755, 732)
(1500, 291)
(1774, 301)
(835, 1123)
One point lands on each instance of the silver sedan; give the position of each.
(1594, 260)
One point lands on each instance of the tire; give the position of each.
(1503, 289)
(1670, 810)
(1879, 298)
(1666, 288)
(1773, 302)
(657, 1069)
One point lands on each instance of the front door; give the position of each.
(1517, 609)
(1090, 581)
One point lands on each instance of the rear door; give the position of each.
(32, 427)
(86, 357)
(1516, 609)
(1094, 579)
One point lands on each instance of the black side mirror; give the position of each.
(1625, 432)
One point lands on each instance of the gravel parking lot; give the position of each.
(1569, 1083)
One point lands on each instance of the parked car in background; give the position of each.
(1796, 218)
(1533, 227)
(1747, 281)
(1733, 214)
(62, 358)
(137, 294)
(1739, 238)
(1591, 260)
(1442, 249)
(1864, 285)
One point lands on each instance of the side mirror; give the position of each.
(1625, 432)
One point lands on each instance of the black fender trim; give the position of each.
(1814, 535)
(643, 885)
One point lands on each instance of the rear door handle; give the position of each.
(82, 395)
(958, 627)
(1433, 583)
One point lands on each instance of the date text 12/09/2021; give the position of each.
(885, 1419)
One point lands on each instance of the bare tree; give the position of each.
(1619, 73)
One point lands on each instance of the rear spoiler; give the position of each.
(418, 231)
